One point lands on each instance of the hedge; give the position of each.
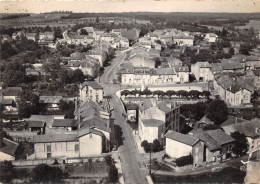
(185, 160)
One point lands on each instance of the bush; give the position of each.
(146, 146)
(6, 172)
(157, 146)
(113, 174)
(44, 173)
(108, 159)
(185, 160)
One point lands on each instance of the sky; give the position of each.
(97, 6)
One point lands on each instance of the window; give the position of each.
(90, 91)
(76, 147)
(48, 148)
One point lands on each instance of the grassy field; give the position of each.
(252, 23)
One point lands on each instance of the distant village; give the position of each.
(190, 99)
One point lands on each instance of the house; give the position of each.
(230, 66)
(217, 145)
(201, 71)
(108, 37)
(124, 42)
(6, 38)
(254, 76)
(37, 126)
(12, 93)
(51, 102)
(238, 95)
(154, 120)
(46, 36)
(253, 165)
(252, 62)
(35, 70)
(251, 129)
(173, 62)
(183, 40)
(91, 90)
(158, 47)
(211, 37)
(31, 36)
(118, 31)
(8, 105)
(98, 54)
(89, 30)
(151, 129)
(7, 150)
(77, 39)
(90, 66)
(131, 111)
(66, 124)
(18, 35)
(166, 39)
(154, 53)
(179, 145)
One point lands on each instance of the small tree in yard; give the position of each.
(240, 145)
(217, 111)
(157, 146)
(146, 146)
(6, 172)
(44, 173)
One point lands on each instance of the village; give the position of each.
(107, 102)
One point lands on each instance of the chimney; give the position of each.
(256, 130)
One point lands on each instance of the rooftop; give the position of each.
(9, 147)
(34, 124)
(152, 122)
(12, 91)
(50, 99)
(55, 138)
(64, 123)
(183, 138)
(92, 84)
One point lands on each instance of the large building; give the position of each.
(156, 119)
(91, 90)
(156, 76)
(201, 71)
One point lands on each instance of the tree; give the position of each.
(170, 93)
(182, 93)
(44, 173)
(83, 32)
(217, 111)
(231, 51)
(78, 76)
(113, 174)
(146, 146)
(24, 109)
(146, 92)
(157, 146)
(6, 172)
(240, 145)
(194, 94)
(125, 92)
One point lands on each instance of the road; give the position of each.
(128, 153)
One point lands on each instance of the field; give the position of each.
(252, 23)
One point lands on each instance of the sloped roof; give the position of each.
(6, 101)
(64, 123)
(33, 123)
(12, 91)
(163, 106)
(183, 138)
(50, 99)
(86, 130)
(220, 136)
(93, 84)
(97, 123)
(256, 72)
(152, 122)
(9, 147)
(55, 138)
(164, 71)
(249, 128)
(131, 106)
(89, 29)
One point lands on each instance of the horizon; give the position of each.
(133, 6)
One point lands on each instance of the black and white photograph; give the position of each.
(130, 91)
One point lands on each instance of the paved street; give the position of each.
(128, 153)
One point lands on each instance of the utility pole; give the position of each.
(150, 170)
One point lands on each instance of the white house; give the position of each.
(179, 145)
(211, 37)
(91, 90)
(201, 71)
